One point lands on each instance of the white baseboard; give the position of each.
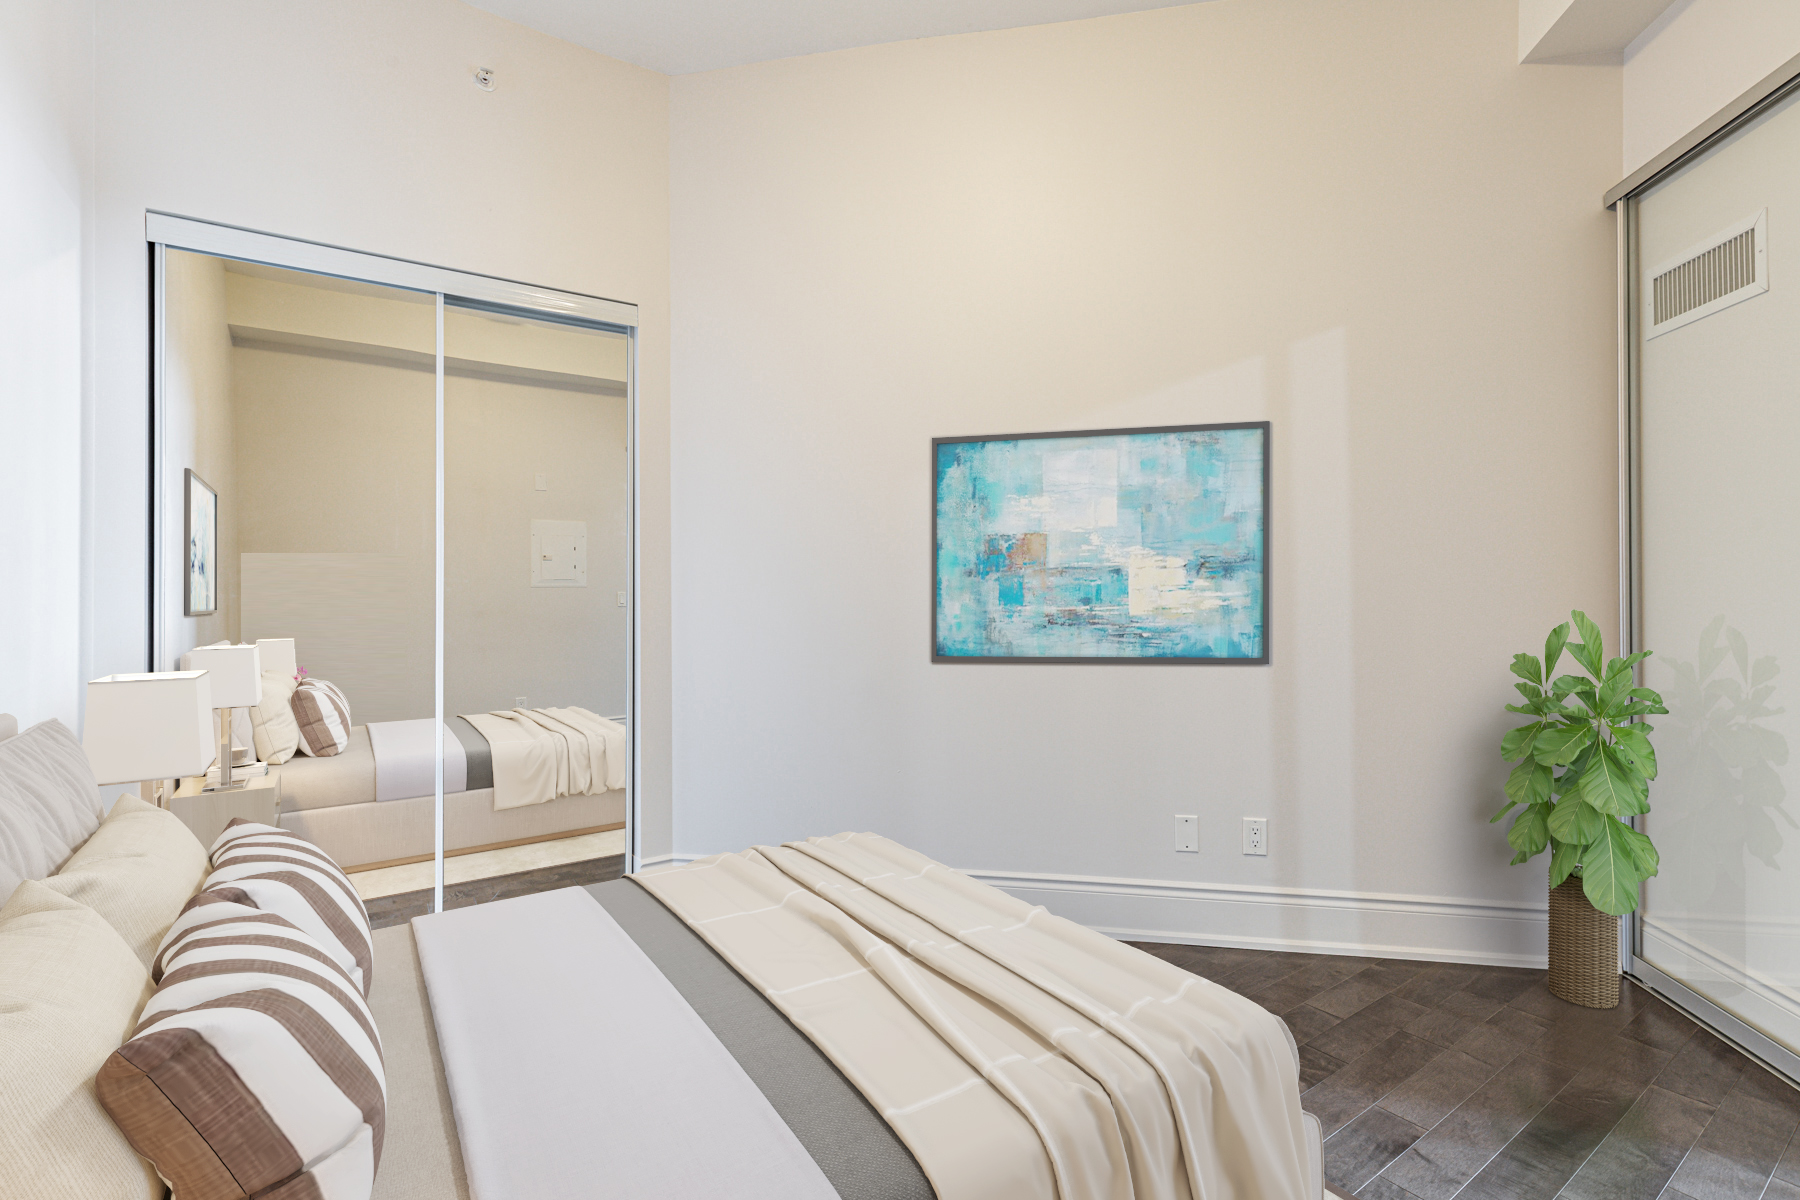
(1499, 933)
(1364, 924)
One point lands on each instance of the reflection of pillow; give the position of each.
(137, 871)
(256, 1067)
(69, 990)
(49, 803)
(323, 716)
(272, 724)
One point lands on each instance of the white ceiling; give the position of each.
(678, 37)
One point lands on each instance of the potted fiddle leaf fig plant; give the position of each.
(1584, 769)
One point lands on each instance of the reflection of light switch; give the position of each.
(543, 482)
(559, 554)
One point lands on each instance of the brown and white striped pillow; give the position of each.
(256, 1068)
(283, 873)
(323, 716)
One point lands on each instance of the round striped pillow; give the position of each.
(283, 873)
(256, 1068)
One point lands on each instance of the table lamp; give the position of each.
(236, 673)
(148, 727)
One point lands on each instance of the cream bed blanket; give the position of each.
(542, 753)
(1017, 1054)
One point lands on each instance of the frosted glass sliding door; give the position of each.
(1716, 309)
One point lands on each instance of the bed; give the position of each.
(333, 803)
(732, 1080)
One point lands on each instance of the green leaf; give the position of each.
(1572, 819)
(1611, 692)
(1612, 787)
(1529, 783)
(1648, 860)
(1563, 685)
(1527, 668)
(1564, 857)
(1553, 647)
(1519, 742)
(1616, 665)
(1644, 693)
(1590, 653)
(1530, 832)
(1610, 873)
(1530, 691)
(1559, 744)
(1632, 744)
(1510, 805)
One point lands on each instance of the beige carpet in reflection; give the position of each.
(461, 868)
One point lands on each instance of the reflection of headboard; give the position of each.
(9, 726)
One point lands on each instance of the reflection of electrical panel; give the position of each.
(558, 554)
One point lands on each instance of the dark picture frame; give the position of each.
(939, 553)
(200, 547)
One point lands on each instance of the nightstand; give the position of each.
(207, 813)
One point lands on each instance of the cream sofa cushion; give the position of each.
(70, 991)
(138, 869)
(48, 802)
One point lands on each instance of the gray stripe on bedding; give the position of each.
(853, 1146)
(476, 751)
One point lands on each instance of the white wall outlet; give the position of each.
(543, 482)
(518, 702)
(1187, 835)
(1256, 835)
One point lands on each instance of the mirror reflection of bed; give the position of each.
(307, 403)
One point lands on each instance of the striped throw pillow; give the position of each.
(256, 1068)
(323, 716)
(282, 873)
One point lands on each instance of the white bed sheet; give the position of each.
(528, 996)
(406, 759)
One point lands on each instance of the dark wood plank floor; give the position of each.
(1435, 1080)
(398, 909)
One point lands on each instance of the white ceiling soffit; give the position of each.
(1583, 30)
(679, 37)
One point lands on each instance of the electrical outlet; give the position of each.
(1187, 835)
(1256, 835)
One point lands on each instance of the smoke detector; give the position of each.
(484, 78)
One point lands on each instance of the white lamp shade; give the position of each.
(236, 673)
(278, 655)
(149, 726)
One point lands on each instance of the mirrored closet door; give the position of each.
(410, 491)
(1715, 309)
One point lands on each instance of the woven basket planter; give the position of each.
(1584, 949)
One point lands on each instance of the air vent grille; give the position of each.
(1720, 272)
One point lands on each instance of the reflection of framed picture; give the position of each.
(1116, 545)
(201, 595)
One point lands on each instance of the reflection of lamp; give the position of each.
(141, 727)
(236, 683)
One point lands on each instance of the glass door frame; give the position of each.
(1624, 200)
(169, 231)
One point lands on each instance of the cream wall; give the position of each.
(46, 172)
(199, 434)
(1697, 58)
(1366, 223)
(358, 125)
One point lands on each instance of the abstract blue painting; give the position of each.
(1142, 545)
